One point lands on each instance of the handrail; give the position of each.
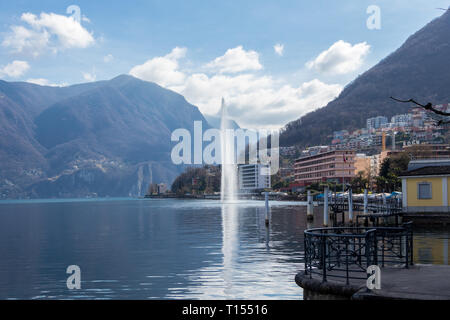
(347, 252)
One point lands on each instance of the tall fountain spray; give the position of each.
(228, 185)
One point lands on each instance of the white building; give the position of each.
(401, 120)
(253, 177)
(376, 122)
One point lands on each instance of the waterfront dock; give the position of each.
(338, 256)
(418, 282)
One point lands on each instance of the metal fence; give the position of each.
(347, 252)
(375, 209)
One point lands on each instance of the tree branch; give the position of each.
(428, 106)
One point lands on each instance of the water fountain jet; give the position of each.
(228, 184)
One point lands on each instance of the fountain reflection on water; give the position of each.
(230, 244)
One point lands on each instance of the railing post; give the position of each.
(375, 243)
(367, 248)
(371, 247)
(407, 249)
(305, 250)
(324, 260)
(310, 206)
(411, 247)
(325, 207)
(382, 251)
(350, 205)
(346, 261)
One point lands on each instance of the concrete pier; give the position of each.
(419, 282)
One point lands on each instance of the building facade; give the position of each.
(401, 120)
(334, 165)
(254, 177)
(425, 186)
(376, 122)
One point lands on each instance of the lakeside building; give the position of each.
(370, 165)
(425, 186)
(254, 177)
(330, 165)
(363, 163)
(154, 188)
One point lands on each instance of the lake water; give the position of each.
(162, 249)
(150, 249)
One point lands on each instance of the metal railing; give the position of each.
(376, 208)
(347, 252)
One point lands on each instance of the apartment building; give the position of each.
(254, 177)
(376, 123)
(333, 165)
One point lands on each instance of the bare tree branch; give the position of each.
(428, 106)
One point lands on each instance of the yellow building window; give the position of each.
(424, 190)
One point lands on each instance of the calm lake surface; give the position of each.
(150, 249)
(161, 249)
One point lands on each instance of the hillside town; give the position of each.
(361, 153)
(370, 158)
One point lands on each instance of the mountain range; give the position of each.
(112, 138)
(419, 69)
(106, 138)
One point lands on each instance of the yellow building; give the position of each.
(425, 188)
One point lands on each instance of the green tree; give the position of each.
(359, 183)
(390, 169)
(198, 180)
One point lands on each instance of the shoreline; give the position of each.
(217, 197)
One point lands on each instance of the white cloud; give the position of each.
(89, 76)
(254, 100)
(236, 60)
(26, 40)
(38, 34)
(279, 49)
(340, 58)
(108, 58)
(15, 69)
(45, 82)
(162, 70)
(258, 101)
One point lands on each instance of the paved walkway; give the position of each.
(419, 282)
(422, 282)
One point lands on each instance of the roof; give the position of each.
(427, 171)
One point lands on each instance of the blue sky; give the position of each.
(224, 48)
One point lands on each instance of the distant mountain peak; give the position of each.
(106, 138)
(124, 77)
